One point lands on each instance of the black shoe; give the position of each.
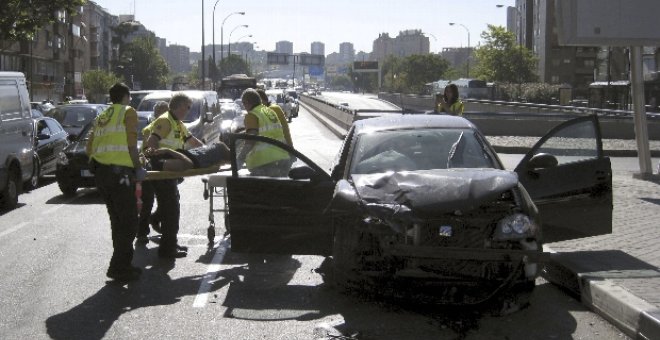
(172, 254)
(141, 240)
(181, 248)
(124, 275)
(155, 223)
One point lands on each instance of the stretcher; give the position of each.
(215, 186)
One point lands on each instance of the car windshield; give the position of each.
(419, 149)
(74, 116)
(148, 104)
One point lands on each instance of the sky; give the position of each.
(304, 21)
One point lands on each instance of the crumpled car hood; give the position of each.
(409, 195)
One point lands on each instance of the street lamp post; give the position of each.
(203, 52)
(467, 62)
(215, 63)
(230, 33)
(222, 35)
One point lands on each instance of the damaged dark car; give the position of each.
(421, 207)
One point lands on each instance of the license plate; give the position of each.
(86, 173)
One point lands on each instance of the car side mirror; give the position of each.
(42, 136)
(303, 172)
(542, 161)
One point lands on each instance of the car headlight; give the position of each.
(62, 159)
(515, 227)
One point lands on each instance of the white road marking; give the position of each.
(57, 207)
(211, 272)
(13, 229)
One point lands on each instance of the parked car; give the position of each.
(50, 139)
(137, 96)
(42, 107)
(233, 121)
(420, 206)
(17, 156)
(293, 94)
(73, 171)
(73, 117)
(204, 119)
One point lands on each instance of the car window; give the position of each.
(74, 116)
(195, 111)
(573, 143)
(42, 128)
(53, 126)
(411, 150)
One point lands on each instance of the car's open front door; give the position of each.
(570, 181)
(282, 215)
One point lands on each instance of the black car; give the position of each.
(233, 121)
(421, 207)
(73, 164)
(50, 139)
(73, 117)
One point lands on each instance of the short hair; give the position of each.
(161, 105)
(263, 96)
(118, 91)
(179, 99)
(251, 96)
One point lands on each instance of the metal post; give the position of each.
(641, 129)
(203, 52)
(215, 63)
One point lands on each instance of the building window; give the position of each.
(554, 79)
(555, 62)
(589, 63)
(567, 61)
(49, 39)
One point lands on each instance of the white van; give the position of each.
(17, 156)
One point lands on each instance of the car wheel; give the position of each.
(345, 253)
(67, 188)
(9, 196)
(36, 173)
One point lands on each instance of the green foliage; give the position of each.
(501, 59)
(20, 19)
(97, 83)
(341, 82)
(142, 63)
(539, 93)
(410, 74)
(234, 64)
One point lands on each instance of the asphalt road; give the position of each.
(54, 252)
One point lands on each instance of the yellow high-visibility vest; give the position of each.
(269, 126)
(110, 145)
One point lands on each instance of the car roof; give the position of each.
(394, 121)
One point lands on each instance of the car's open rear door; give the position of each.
(282, 215)
(574, 196)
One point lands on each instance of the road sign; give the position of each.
(365, 65)
(315, 70)
(277, 58)
(312, 59)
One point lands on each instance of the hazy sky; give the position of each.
(304, 21)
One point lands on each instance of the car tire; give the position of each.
(67, 188)
(345, 253)
(33, 183)
(9, 195)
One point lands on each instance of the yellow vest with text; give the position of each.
(269, 126)
(110, 145)
(176, 139)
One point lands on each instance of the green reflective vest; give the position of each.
(110, 145)
(175, 140)
(269, 126)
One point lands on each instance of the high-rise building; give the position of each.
(178, 58)
(346, 52)
(284, 47)
(318, 48)
(407, 43)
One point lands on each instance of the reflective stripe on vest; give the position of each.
(269, 126)
(177, 129)
(110, 145)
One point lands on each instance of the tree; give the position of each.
(21, 19)
(143, 66)
(501, 59)
(97, 83)
(412, 73)
(234, 64)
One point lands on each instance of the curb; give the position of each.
(634, 316)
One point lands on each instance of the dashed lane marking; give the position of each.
(211, 273)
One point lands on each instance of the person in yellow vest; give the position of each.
(112, 149)
(168, 131)
(450, 101)
(280, 115)
(263, 159)
(148, 195)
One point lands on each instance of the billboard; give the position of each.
(608, 22)
(365, 65)
(277, 58)
(312, 59)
